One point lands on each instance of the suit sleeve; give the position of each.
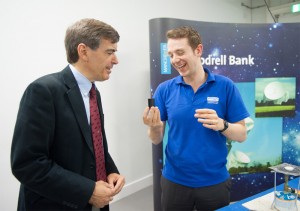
(110, 165)
(31, 152)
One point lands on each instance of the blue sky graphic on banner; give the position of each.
(264, 62)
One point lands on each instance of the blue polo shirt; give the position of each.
(195, 155)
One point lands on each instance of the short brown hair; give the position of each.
(188, 32)
(90, 32)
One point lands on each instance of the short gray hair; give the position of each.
(90, 32)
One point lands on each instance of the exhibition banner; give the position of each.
(263, 60)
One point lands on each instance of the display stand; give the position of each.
(286, 199)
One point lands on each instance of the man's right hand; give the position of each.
(151, 118)
(102, 195)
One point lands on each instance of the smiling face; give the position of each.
(97, 64)
(183, 58)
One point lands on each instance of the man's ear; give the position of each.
(82, 52)
(199, 49)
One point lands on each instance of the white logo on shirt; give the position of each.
(212, 100)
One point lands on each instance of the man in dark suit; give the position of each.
(52, 153)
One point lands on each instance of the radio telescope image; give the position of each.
(275, 97)
(275, 92)
(241, 157)
(238, 158)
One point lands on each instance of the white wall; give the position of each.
(31, 41)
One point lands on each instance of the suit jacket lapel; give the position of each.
(100, 107)
(77, 104)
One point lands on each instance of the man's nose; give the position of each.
(115, 60)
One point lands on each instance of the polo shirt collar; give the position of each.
(210, 77)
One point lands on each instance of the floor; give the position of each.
(139, 201)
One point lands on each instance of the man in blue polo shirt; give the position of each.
(202, 110)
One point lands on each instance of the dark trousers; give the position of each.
(177, 197)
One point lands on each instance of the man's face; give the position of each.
(183, 58)
(101, 61)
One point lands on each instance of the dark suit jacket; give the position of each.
(52, 150)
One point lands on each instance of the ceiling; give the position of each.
(273, 3)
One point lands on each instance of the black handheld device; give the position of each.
(151, 102)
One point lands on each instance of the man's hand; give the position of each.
(117, 181)
(102, 195)
(209, 119)
(151, 117)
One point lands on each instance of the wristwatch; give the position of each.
(225, 126)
